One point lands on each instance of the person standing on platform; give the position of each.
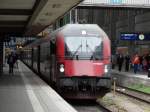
(127, 62)
(120, 60)
(141, 63)
(113, 61)
(149, 61)
(136, 62)
(11, 61)
(16, 60)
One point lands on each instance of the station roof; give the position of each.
(29, 17)
(116, 3)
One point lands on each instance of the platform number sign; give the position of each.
(116, 1)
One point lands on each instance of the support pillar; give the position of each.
(1, 57)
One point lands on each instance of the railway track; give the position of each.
(88, 106)
(144, 97)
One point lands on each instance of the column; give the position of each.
(1, 56)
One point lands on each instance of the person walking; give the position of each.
(141, 63)
(127, 62)
(148, 63)
(120, 60)
(16, 59)
(147, 58)
(136, 62)
(113, 61)
(11, 61)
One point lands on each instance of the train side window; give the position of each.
(52, 48)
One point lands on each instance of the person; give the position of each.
(127, 62)
(113, 60)
(148, 61)
(120, 60)
(16, 59)
(141, 62)
(147, 58)
(136, 62)
(11, 61)
(144, 63)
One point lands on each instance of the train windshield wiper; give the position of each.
(76, 51)
(93, 56)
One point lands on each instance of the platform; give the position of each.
(26, 92)
(129, 78)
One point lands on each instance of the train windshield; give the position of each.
(83, 48)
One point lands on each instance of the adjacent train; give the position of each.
(74, 58)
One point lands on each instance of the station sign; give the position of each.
(116, 1)
(135, 36)
(124, 3)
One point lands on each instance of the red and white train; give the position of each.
(74, 58)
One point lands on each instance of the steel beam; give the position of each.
(13, 23)
(11, 30)
(16, 11)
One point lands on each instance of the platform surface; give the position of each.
(26, 92)
(129, 78)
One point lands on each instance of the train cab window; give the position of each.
(84, 48)
(52, 48)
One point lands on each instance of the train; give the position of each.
(75, 59)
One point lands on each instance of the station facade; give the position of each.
(115, 21)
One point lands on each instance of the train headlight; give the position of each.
(61, 69)
(106, 69)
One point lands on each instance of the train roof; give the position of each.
(73, 29)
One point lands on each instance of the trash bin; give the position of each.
(149, 72)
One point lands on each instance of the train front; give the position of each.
(84, 72)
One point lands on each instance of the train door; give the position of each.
(53, 61)
(32, 58)
(35, 59)
(38, 61)
(45, 60)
